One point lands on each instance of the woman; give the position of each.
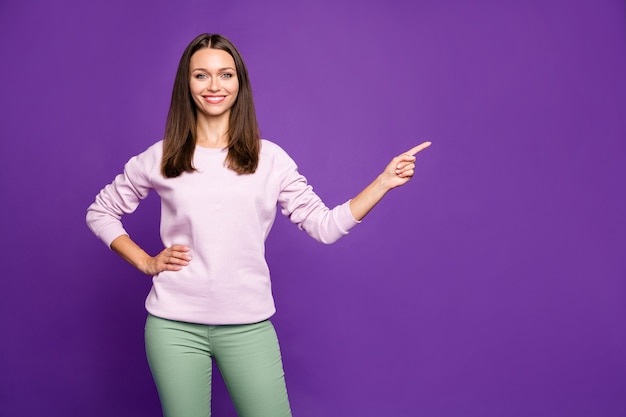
(219, 185)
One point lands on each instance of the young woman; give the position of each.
(219, 185)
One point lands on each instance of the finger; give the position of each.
(170, 267)
(406, 173)
(165, 265)
(176, 251)
(180, 255)
(418, 148)
(169, 257)
(404, 166)
(178, 259)
(180, 248)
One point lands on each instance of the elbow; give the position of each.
(91, 217)
(329, 239)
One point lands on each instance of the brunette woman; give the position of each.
(219, 185)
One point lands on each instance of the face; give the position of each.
(213, 82)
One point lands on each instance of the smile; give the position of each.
(214, 99)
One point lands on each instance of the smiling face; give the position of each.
(213, 82)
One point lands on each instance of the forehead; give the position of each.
(211, 58)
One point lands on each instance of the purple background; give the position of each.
(492, 285)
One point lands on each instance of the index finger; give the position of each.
(418, 148)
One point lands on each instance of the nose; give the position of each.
(214, 84)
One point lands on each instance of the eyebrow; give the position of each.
(219, 69)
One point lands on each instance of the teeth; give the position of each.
(214, 99)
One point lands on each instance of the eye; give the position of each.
(227, 75)
(201, 76)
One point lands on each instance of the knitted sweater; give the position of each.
(224, 218)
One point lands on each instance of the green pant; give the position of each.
(248, 356)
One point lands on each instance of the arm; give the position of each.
(173, 258)
(121, 197)
(397, 173)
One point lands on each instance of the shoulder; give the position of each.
(275, 159)
(153, 152)
(156, 149)
(147, 161)
(272, 151)
(269, 147)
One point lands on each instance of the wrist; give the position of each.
(382, 183)
(143, 265)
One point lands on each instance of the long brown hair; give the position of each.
(180, 130)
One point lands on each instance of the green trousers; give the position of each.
(248, 356)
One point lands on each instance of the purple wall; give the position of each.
(492, 285)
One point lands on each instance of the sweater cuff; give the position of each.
(345, 217)
(110, 234)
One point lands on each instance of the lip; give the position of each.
(214, 99)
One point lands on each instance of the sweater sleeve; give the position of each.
(306, 209)
(121, 197)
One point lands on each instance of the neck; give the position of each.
(212, 132)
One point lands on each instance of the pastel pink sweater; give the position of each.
(224, 218)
